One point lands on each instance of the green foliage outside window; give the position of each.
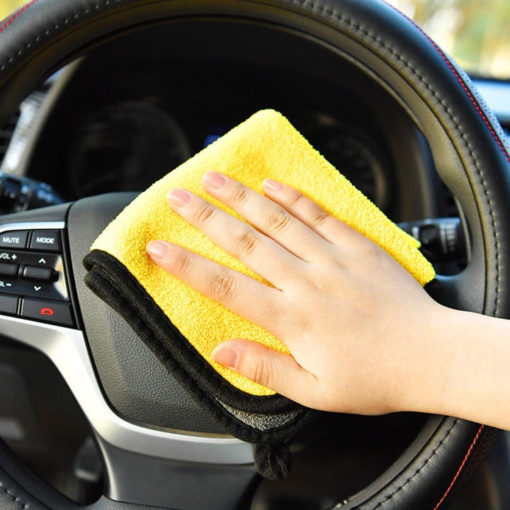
(475, 32)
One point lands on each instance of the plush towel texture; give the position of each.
(266, 145)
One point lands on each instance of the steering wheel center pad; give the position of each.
(465, 141)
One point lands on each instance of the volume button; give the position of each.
(8, 269)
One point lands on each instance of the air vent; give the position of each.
(14, 135)
(6, 133)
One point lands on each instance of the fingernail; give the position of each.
(179, 197)
(157, 249)
(273, 185)
(226, 356)
(213, 180)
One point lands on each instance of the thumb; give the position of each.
(275, 370)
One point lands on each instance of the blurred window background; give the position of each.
(8, 6)
(475, 32)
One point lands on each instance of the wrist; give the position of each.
(430, 367)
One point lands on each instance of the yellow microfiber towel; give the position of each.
(266, 145)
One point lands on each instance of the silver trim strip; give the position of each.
(68, 351)
(31, 225)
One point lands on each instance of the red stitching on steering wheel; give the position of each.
(461, 467)
(462, 83)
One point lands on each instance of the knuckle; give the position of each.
(182, 261)
(204, 213)
(279, 222)
(263, 372)
(239, 195)
(247, 242)
(319, 218)
(222, 286)
(376, 253)
(295, 198)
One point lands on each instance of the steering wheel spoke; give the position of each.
(171, 459)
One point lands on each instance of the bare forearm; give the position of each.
(466, 372)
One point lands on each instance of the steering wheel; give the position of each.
(158, 455)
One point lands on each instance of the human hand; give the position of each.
(352, 318)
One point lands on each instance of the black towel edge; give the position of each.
(110, 280)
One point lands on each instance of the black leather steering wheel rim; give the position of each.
(465, 139)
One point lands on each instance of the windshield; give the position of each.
(475, 32)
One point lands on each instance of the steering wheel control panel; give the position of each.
(32, 280)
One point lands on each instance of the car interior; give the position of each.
(86, 410)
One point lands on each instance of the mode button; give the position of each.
(45, 240)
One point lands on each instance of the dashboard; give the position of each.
(127, 143)
(119, 119)
(127, 126)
